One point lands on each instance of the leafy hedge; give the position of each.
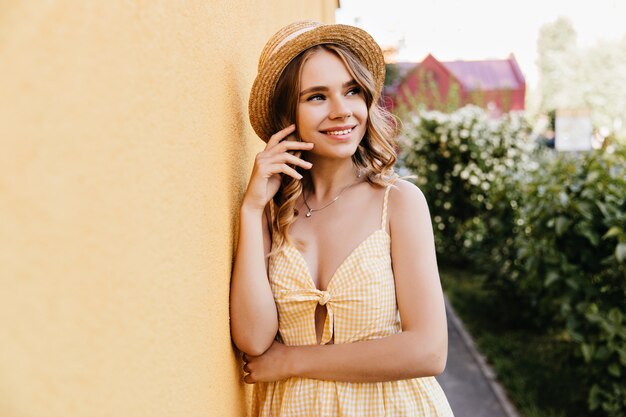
(573, 245)
(466, 164)
(548, 230)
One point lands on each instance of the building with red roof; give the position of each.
(496, 85)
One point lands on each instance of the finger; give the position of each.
(245, 358)
(291, 159)
(246, 368)
(248, 379)
(290, 146)
(287, 170)
(280, 135)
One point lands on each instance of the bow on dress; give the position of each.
(323, 298)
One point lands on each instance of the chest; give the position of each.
(329, 238)
(325, 248)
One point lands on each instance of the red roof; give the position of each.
(487, 75)
(498, 82)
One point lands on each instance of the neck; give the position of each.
(329, 178)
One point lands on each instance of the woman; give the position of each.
(335, 297)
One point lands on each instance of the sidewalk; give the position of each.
(468, 382)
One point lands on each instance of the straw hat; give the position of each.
(288, 43)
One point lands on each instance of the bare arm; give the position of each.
(253, 316)
(419, 350)
(254, 320)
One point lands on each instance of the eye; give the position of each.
(354, 91)
(315, 97)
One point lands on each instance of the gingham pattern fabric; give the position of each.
(361, 304)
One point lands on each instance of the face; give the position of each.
(332, 112)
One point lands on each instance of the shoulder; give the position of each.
(409, 216)
(405, 197)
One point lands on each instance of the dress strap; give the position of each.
(383, 223)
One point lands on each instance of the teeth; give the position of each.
(339, 132)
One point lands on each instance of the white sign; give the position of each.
(573, 130)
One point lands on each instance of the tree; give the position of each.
(573, 77)
(558, 66)
(604, 87)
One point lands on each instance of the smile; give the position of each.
(339, 132)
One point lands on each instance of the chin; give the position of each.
(343, 154)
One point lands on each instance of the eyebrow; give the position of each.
(323, 88)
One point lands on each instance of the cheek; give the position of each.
(360, 110)
(308, 118)
(302, 116)
(305, 123)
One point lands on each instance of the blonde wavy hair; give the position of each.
(374, 157)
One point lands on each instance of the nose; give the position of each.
(340, 109)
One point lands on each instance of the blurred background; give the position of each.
(513, 120)
(571, 54)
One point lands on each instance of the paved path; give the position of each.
(468, 381)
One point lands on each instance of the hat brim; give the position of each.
(355, 39)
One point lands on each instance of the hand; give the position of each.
(273, 365)
(270, 164)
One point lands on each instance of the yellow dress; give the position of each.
(361, 305)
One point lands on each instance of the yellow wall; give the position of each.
(125, 149)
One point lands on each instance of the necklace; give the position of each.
(311, 210)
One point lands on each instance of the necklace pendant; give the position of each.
(309, 213)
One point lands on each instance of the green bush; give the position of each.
(465, 164)
(547, 230)
(572, 252)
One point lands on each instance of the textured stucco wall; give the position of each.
(125, 148)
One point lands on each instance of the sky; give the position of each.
(480, 29)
